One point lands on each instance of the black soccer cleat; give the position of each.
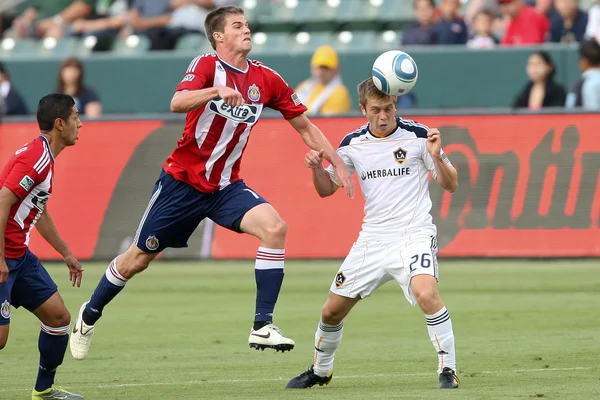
(308, 379)
(448, 379)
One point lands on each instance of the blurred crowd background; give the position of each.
(69, 35)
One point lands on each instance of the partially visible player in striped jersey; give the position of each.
(223, 95)
(393, 158)
(25, 187)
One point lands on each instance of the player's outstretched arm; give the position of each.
(184, 101)
(315, 139)
(321, 178)
(447, 176)
(47, 229)
(7, 200)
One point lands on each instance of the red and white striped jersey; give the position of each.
(29, 175)
(209, 154)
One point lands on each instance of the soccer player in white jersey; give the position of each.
(393, 158)
(223, 95)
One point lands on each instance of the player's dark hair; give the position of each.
(367, 90)
(215, 21)
(51, 107)
(79, 84)
(590, 50)
(545, 56)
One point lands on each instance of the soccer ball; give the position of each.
(395, 73)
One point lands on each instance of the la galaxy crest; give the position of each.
(400, 155)
(340, 278)
(254, 93)
(5, 309)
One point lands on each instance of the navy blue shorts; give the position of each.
(28, 285)
(176, 209)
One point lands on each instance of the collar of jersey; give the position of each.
(47, 144)
(379, 136)
(234, 69)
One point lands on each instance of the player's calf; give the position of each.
(4, 329)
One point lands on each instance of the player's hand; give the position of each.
(3, 270)
(434, 142)
(344, 177)
(231, 96)
(314, 158)
(75, 270)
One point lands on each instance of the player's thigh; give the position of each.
(241, 209)
(418, 257)
(362, 271)
(34, 286)
(174, 211)
(337, 307)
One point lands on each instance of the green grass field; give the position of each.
(179, 331)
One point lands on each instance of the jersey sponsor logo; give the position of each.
(40, 200)
(296, 99)
(188, 78)
(340, 278)
(385, 173)
(400, 155)
(152, 243)
(5, 309)
(27, 183)
(253, 93)
(246, 113)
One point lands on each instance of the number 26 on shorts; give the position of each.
(420, 260)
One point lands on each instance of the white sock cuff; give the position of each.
(269, 258)
(330, 328)
(438, 318)
(63, 330)
(113, 275)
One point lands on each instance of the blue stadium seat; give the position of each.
(193, 43)
(20, 47)
(132, 45)
(270, 43)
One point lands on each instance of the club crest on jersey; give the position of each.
(246, 113)
(27, 183)
(400, 155)
(253, 93)
(152, 243)
(340, 278)
(5, 309)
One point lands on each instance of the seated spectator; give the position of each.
(568, 22)
(451, 28)
(50, 18)
(586, 91)
(324, 92)
(422, 31)
(13, 102)
(71, 81)
(482, 31)
(541, 90)
(189, 15)
(526, 26)
(593, 27)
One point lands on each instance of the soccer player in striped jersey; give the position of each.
(25, 187)
(393, 158)
(223, 95)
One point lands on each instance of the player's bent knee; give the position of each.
(331, 316)
(3, 338)
(277, 229)
(59, 319)
(428, 299)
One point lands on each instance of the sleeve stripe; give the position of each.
(194, 63)
(42, 162)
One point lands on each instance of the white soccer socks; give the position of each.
(327, 340)
(439, 326)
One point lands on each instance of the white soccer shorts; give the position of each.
(370, 264)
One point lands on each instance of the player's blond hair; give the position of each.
(368, 90)
(215, 21)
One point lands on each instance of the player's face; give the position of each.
(71, 128)
(236, 34)
(381, 115)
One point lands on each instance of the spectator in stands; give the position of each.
(593, 27)
(422, 31)
(71, 81)
(482, 31)
(541, 90)
(526, 26)
(189, 15)
(50, 18)
(324, 93)
(13, 102)
(568, 22)
(586, 91)
(111, 19)
(451, 28)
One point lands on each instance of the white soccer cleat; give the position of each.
(270, 337)
(81, 337)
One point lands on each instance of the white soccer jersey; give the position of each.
(394, 176)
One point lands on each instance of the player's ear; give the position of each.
(362, 109)
(59, 124)
(218, 36)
